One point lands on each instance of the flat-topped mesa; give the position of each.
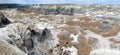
(3, 20)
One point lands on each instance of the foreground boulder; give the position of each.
(8, 49)
(3, 20)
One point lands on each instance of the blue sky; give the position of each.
(61, 1)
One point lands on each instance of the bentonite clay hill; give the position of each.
(60, 30)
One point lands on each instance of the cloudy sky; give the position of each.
(61, 1)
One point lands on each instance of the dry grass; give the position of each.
(91, 40)
(71, 30)
(87, 22)
(26, 12)
(106, 33)
(83, 47)
(48, 17)
(63, 42)
(114, 40)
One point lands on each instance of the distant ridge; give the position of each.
(12, 5)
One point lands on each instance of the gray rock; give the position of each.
(45, 35)
(3, 20)
(105, 25)
(38, 40)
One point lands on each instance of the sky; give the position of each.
(61, 1)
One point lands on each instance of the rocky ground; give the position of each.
(59, 29)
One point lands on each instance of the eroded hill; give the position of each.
(62, 29)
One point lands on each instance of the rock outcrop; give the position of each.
(105, 25)
(8, 49)
(38, 42)
(45, 34)
(29, 41)
(3, 20)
